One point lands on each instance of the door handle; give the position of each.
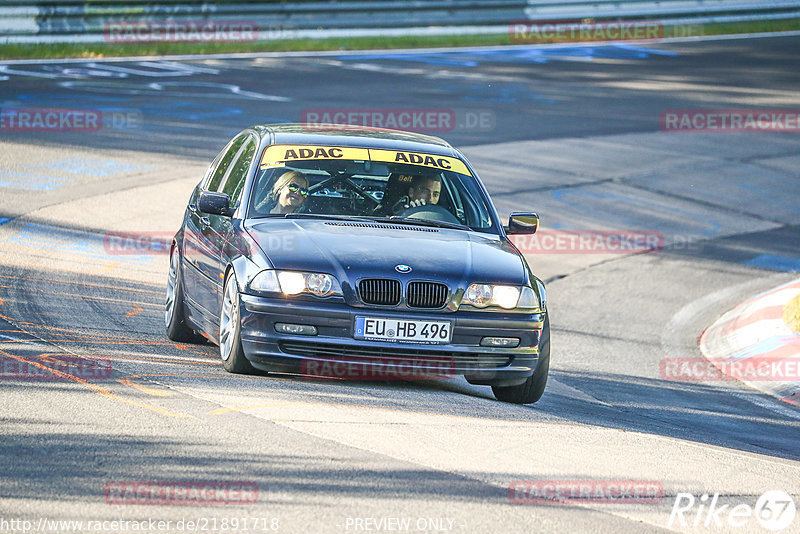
(205, 221)
(193, 208)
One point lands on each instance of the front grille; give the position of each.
(380, 291)
(331, 351)
(426, 295)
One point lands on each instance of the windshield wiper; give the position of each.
(425, 222)
(364, 218)
(328, 216)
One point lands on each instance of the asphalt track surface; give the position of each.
(571, 132)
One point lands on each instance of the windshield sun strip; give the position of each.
(286, 154)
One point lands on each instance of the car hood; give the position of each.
(355, 250)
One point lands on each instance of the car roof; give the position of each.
(354, 136)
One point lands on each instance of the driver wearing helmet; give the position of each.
(423, 190)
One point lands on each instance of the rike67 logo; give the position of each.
(774, 510)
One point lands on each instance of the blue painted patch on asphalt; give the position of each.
(45, 177)
(775, 263)
(66, 241)
(193, 111)
(533, 54)
(77, 98)
(643, 51)
(434, 58)
(4, 220)
(27, 181)
(94, 167)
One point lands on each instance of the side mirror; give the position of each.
(522, 223)
(215, 204)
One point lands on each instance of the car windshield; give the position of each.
(408, 188)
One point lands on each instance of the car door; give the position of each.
(190, 244)
(202, 245)
(221, 228)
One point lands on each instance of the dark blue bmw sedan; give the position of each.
(357, 253)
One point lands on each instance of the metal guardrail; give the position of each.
(571, 9)
(87, 21)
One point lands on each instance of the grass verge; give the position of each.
(99, 50)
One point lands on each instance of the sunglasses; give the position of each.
(294, 188)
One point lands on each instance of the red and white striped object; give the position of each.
(755, 332)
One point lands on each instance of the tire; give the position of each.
(174, 316)
(230, 325)
(532, 389)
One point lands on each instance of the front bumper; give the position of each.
(334, 351)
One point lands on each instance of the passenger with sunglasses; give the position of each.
(289, 193)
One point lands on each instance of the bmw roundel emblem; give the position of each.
(403, 269)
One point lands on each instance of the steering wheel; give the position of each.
(358, 198)
(433, 212)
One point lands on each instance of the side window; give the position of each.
(212, 167)
(232, 185)
(225, 162)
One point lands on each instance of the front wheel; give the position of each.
(174, 317)
(532, 389)
(230, 342)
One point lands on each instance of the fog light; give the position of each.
(297, 329)
(507, 342)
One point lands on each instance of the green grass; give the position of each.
(89, 51)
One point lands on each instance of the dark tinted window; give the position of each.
(233, 184)
(225, 162)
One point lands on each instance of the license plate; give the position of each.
(402, 331)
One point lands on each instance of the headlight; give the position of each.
(483, 295)
(292, 283)
(508, 297)
(295, 283)
(319, 284)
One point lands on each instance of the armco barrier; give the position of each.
(87, 21)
